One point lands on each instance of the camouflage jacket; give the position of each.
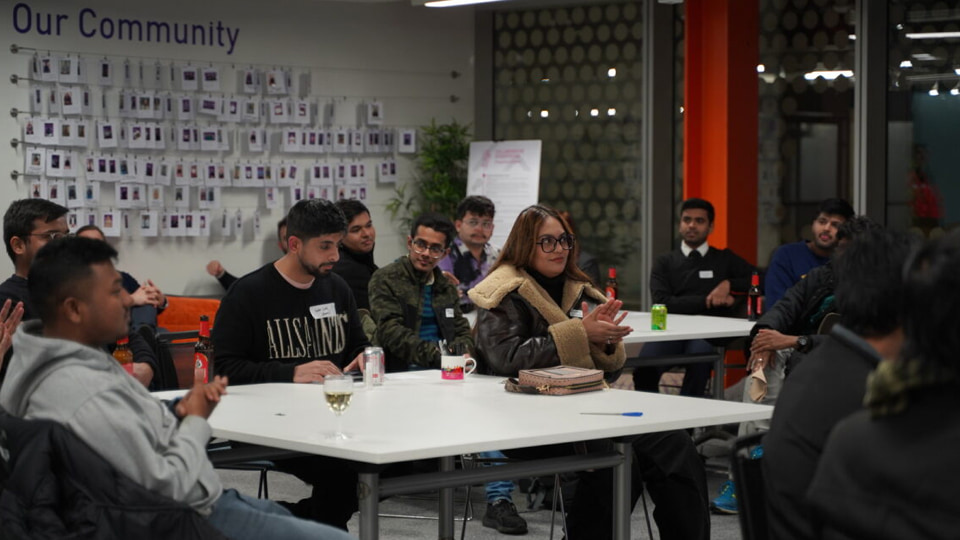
(396, 302)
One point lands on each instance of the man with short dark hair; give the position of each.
(471, 254)
(695, 279)
(791, 262)
(829, 384)
(60, 373)
(294, 320)
(415, 307)
(356, 264)
(28, 225)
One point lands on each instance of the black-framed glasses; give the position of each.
(549, 243)
(421, 247)
(52, 235)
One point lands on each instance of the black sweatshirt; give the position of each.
(265, 327)
(683, 283)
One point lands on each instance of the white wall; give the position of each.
(393, 52)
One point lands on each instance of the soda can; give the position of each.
(373, 364)
(658, 317)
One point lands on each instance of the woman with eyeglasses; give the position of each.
(537, 310)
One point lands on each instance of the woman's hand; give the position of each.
(603, 323)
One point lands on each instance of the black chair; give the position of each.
(748, 479)
(166, 376)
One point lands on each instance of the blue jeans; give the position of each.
(694, 380)
(498, 489)
(241, 517)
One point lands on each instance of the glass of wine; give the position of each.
(337, 390)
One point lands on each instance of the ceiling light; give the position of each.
(544, 113)
(612, 72)
(924, 57)
(906, 64)
(933, 35)
(455, 3)
(611, 112)
(828, 74)
(935, 91)
(955, 91)
(594, 112)
(761, 68)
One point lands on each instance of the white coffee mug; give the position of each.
(453, 368)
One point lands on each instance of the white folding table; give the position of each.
(685, 327)
(416, 415)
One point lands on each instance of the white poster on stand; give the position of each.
(508, 172)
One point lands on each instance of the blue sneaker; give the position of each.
(726, 502)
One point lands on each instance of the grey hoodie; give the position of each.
(87, 390)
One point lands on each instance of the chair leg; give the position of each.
(558, 495)
(263, 491)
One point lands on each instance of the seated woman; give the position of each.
(537, 309)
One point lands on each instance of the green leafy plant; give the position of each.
(441, 177)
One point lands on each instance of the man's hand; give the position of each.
(10, 316)
(720, 295)
(202, 398)
(760, 361)
(451, 278)
(161, 298)
(603, 323)
(768, 340)
(354, 365)
(215, 269)
(316, 370)
(143, 373)
(145, 296)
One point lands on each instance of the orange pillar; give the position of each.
(720, 117)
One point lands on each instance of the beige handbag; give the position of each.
(557, 381)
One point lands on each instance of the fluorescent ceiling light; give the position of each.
(828, 74)
(924, 57)
(454, 3)
(933, 35)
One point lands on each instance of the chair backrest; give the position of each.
(748, 478)
(166, 376)
(183, 312)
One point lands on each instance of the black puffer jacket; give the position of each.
(55, 486)
(520, 327)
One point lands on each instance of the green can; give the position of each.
(658, 317)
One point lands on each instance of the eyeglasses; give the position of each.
(51, 236)
(421, 247)
(549, 244)
(474, 223)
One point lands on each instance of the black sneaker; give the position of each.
(502, 516)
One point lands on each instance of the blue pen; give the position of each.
(635, 413)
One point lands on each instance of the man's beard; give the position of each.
(319, 271)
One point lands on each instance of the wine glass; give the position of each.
(337, 390)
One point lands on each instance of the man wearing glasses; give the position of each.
(28, 225)
(471, 254)
(414, 305)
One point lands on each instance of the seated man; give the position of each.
(356, 264)
(59, 373)
(694, 279)
(792, 262)
(886, 471)
(829, 384)
(294, 320)
(415, 307)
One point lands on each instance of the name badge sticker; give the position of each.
(706, 274)
(322, 311)
(448, 312)
(576, 314)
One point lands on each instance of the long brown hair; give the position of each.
(521, 244)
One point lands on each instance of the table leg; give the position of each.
(718, 372)
(368, 493)
(446, 503)
(621, 491)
